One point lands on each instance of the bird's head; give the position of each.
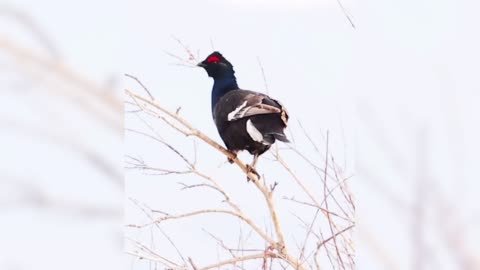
(216, 66)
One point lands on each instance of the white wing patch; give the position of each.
(253, 132)
(233, 115)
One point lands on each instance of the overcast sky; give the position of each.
(399, 90)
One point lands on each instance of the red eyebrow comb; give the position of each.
(213, 59)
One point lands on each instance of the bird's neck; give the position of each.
(221, 86)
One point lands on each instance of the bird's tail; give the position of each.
(271, 127)
(281, 137)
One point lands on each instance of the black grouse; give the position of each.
(245, 120)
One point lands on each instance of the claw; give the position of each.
(232, 160)
(250, 169)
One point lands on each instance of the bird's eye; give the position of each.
(213, 59)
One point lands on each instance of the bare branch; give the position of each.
(192, 131)
(276, 248)
(211, 211)
(241, 259)
(141, 84)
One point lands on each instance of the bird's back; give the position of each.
(247, 120)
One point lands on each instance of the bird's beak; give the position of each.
(201, 64)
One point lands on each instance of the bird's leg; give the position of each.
(251, 168)
(230, 160)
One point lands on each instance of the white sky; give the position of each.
(409, 66)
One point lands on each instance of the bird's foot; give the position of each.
(251, 169)
(232, 160)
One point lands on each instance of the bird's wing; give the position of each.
(255, 104)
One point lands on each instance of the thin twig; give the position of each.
(141, 84)
(241, 259)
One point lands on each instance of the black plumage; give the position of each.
(246, 120)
